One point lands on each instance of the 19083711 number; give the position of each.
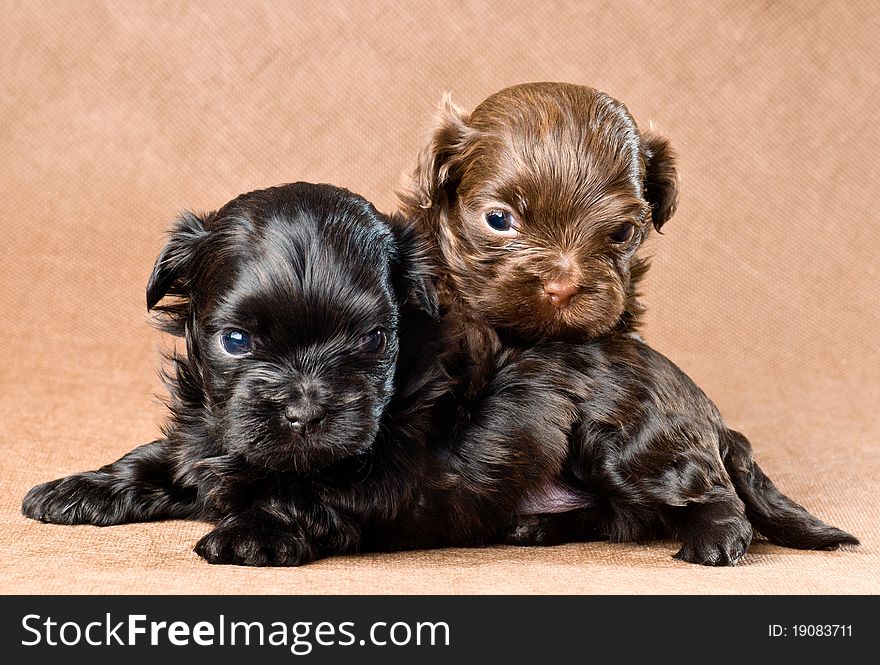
(810, 630)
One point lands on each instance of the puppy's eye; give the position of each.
(501, 222)
(236, 342)
(623, 233)
(374, 342)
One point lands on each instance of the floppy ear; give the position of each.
(174, 268)
(661, 177)
(412, 273)
(436, 174)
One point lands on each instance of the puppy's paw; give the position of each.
(250, 545)
(543, 529)
(538, 530)
(529, 530)
(78, 499)
(721, 544)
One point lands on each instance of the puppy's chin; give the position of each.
(576, 323)
(525, 312)
(306, 461)
(304, 455)
(549, 324)
(281, 449)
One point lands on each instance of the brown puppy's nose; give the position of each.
(560, 293)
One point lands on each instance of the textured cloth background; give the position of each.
(113, 116)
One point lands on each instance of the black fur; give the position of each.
(310, 271)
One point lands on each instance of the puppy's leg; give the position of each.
(679, 471)
(696, 462)
(276, 531)
(715, 532)
(138, 487)
(516, 439)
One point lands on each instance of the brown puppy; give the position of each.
(537, 204)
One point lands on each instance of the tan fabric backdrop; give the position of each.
(113, 116)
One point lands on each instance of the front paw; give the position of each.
(250, 545)
(720, 544)
(75, 499)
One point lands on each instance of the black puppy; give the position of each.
(300, 412)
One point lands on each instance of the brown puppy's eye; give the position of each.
(501, 222)
(623, 233)
(374, 342)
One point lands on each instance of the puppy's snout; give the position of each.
(305, 417)
(560, 293)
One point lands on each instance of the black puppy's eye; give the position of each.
(501, 222)
(374, 342)
(236, 342)
(623, 233)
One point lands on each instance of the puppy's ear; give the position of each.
(661, 177)
(412, 273)
(436, 174)
(174, 267)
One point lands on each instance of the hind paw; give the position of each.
(529, 530)
(720, 544)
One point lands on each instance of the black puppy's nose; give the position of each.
(305, 417)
